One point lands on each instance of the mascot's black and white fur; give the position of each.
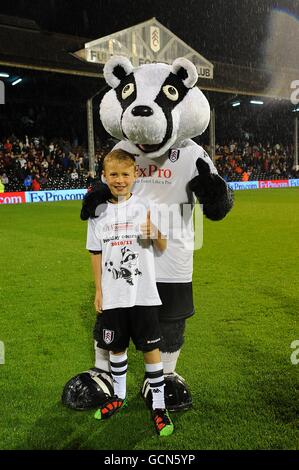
(155, 110)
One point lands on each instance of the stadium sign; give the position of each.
(42, 196)
(145, 43)
(53, 196)
(263, 184)
(236, 185)
(78, 194)
(12, 198)
(274, 184)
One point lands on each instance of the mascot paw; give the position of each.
(99, 194)
(88, 390)
(207, 185)
(177, 394)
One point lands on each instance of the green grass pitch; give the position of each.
(236, 356)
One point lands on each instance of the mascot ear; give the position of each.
(116, 69)
(186, 71)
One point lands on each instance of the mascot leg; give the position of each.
(177, 394)
(169, 361)
(91, 388)
(101, 359)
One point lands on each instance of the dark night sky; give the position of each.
(223, 30)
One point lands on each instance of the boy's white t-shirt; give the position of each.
(128, 267)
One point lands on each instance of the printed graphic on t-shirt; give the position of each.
(128, 267)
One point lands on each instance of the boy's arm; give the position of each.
(96, 261)
(150, 231)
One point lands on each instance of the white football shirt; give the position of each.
(128, 267)
(164, 181)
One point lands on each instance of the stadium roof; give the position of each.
(23, 44)
(148, 41)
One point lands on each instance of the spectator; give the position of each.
(43, 180)
(245, 176)
(16, 147)
(36, 183)
(65, 162)
(90, 179)
(74, 175)
(28, 182)
(22, 161)
(8, 146)
(4, 179)
(45, 164)
(51, 147)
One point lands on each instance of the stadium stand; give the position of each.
(34, 164)
(246, 161)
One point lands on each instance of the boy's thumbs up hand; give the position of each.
(148, 230)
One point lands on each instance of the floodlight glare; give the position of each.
(4, 75)
(236, 103)
(256, 102)
(296, 110)
(17, 81)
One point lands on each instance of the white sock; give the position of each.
(119, 365)
(155, 376)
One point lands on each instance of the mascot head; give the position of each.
(154, 105)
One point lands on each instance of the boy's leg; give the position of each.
(112, 333)
(154, 371)
(119, 365)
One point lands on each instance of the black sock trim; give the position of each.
(118, 364)
(157, 384)
(155, 375)
(119, 373)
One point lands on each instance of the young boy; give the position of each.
(121, 240)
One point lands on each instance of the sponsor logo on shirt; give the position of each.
(154, 170)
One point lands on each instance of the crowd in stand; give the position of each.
(251, 162)
(34, 164)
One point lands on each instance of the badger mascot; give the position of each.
(155, 110)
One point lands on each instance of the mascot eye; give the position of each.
(171, 92)
(127, 90)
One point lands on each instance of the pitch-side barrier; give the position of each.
(78, 194)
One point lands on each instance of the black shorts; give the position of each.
(118, 325)
(177, 301)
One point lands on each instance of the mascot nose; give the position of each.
(142, 111)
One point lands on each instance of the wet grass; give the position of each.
(236, 357)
